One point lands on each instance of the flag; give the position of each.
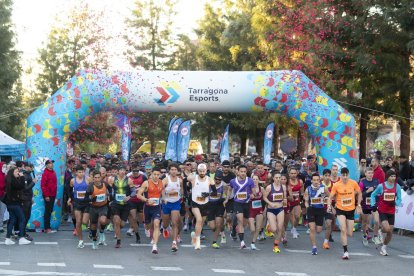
(183, 141)
(268, 140)
(171, 147)
(171, 122)
(224, 148)
(126, 138)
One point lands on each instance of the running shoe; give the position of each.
(202, 237)
(267, 232)
(94, 245)
(147, 233)
(185, 228)
(110, 228)
(365, 240)
(223, 240)
(325, 245)
(165, 233)
(130, 232)
(28, 237)
(383, 251)
(295, 235)
(345, 256)
(253, 247)
(242, 245)
(197, 244)
(118, 245)
(102, 240)
(137, 238)
(380, 236)
(261, 236)
(81, 244)
(174, 247)
(308, 231)
(9, 242)
(154, 249)
(75, 232)
(330, 238)
(376, 240)
(215, 245)
(24, 241)
(276, 249)
(314, 251)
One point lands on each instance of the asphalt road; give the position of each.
(56, 254)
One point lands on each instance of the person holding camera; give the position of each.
(15, 184)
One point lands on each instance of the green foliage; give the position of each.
(149, 34)
(10, 70)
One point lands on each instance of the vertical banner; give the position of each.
(268, 140)
(183, 141)
(171, 123)
(224, 149)
(171, 147)
(126, 139)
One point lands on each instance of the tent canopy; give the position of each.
(10, 146)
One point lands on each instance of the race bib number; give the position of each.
(173, 194)
(316, 200)
(100, 198)
(256, 204)
(154, 201)
(200, 199)
(242, 196)
(368, 201)
(389, 196)
(120, 197)
(277, 196)
(346, 202)
(80, 195)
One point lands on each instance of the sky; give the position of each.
(33, 20)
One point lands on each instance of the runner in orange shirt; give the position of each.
(344, 193)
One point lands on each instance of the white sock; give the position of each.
(325, 240)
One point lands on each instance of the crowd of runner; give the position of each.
(234, 196)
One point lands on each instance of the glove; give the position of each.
(205, 194)
(374, 208)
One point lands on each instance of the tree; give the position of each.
(184, 57)
(10, 70)
(149, 34)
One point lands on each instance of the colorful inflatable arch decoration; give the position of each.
(286, 92)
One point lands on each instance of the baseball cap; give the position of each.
(225, 163)
(49, 161)
(218, 176)
(148, 166)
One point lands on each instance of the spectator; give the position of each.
(15, 184)
(404, 168)
(362, 168)
(3, 206)
(378, 172)
(388, 164)
(159, 161)
(27, 194)
(49, 189)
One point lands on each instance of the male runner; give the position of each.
(136, 205)
(200, 193)
(344, 193)
(314, 197)
(172, 194)
(295, 192)
(216, 210)
(98, 209)
(152, 210)
(242, 187)
(119, 204)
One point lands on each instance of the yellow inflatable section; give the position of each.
(194, 148)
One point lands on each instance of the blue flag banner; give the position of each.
(183, 141)
(268, 141)
(224, 149)
(171, 147)
(171, 123)
(126, 138)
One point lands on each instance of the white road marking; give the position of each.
(291, 274)
(46, 243)
(231, 271)
(2, 242)
(43, 273)
(190, 245)
(51, 264)
(359, 254)
(298, 251)
(166, 268)
(108, 266)
(4, 263)
(140, 245)
(406, 256)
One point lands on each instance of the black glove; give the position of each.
(205, 194)
(374, 208)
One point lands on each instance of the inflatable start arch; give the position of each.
(286, 92)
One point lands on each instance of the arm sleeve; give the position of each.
(374, 194)
(399, 199)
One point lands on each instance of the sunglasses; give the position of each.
(363, 162)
